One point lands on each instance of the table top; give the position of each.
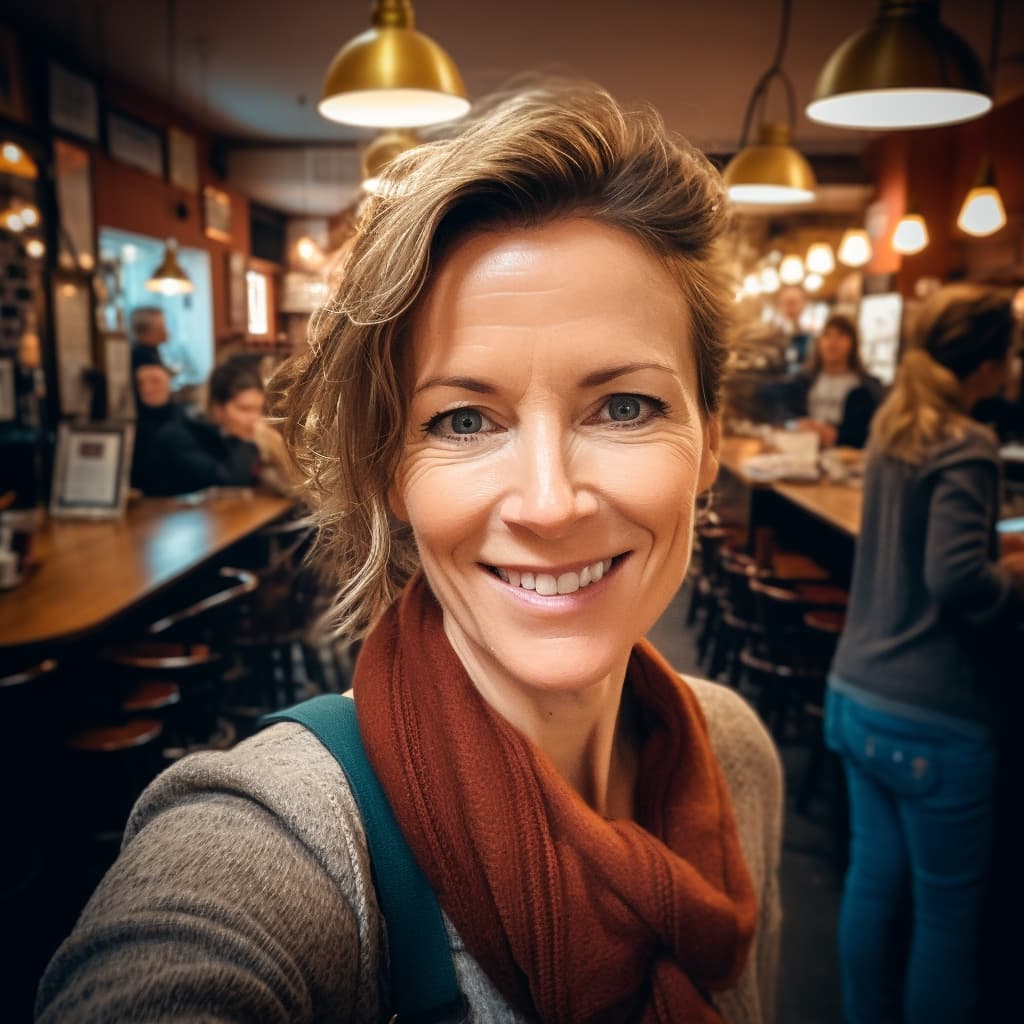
(89, 572)
(838, 505)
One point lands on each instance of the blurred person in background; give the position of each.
(154, 412)
(916, 680)
(834, 396)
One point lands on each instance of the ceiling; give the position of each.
(252, 69)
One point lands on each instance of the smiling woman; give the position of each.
(506, 416)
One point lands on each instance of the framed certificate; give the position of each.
(90, 473)
(135, 143)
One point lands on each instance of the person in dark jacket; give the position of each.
(834, 396)
(189, 454)
(155, 411)
(149, 331)
(917, 677)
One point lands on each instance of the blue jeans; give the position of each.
(921, 817)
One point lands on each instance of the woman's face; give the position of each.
(554, 451)
(239, 415)
(835, 347)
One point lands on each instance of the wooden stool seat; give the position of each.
(825, 594)
(107, 739)
(792, 566)
(152, 695)
(152, 655)
(825, 620)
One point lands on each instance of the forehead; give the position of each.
(151, 375)
(556, 284)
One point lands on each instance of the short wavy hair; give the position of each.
(532, 158)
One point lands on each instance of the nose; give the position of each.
(543, 495)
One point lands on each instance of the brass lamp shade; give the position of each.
(905, 70)
(771, 171)
(16, 162)
(169, 278)
(392, 76)
(381, 151)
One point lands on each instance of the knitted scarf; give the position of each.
(572, 916)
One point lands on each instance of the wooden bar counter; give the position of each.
(87, 574)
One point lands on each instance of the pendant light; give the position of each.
(392, 76)
(905, 70)
(770, 171)
(911, 234)
(381, 151)
(169, 278)
(820, 259)
(791, 269)
(813, 283)
(854, 248)
(16, 162)
(982, 212)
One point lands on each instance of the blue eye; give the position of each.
(624, 407)
(466, 421)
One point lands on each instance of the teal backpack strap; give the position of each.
(423, 986)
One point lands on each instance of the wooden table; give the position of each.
(89, 573)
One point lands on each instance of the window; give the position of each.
(259, 303)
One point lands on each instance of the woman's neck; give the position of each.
(590, 734)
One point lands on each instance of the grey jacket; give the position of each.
(926, 583)
(243, 893)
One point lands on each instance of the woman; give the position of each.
(506, 416)
(189, 454)
(835, 397)
(910, 700)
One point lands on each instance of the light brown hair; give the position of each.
(543, 154)
(957, 329)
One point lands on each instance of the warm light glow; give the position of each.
(29, 215)
(982, 212)
(911, 234)
(769, 195)
(899, 108)
(752, 284)
(769, 280)
(812, 282)
(393, 108)
(820, 259)
(35, 248)
(86, 261)
(791, 270)
(855, 248)
(168, 286)
(307, 249)
(12, 153)
(12, 221)
(129, 253)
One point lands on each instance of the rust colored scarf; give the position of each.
(573, 917)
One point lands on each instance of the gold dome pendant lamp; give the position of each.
(392, 76)
(381, 151)
(770, 171)
(905, 70)
(169, 278)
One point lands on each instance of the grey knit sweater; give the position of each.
(243, 893)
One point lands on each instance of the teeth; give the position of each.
(547, 585)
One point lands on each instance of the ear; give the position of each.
(709, 454)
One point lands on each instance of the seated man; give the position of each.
(155, 410)
(190, 454)
(148, 331)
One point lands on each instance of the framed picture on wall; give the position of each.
(135, 143)
(182, 170)
(217, 214)
(238, 292)
(90, 472)
(74, 107)
(74, 202)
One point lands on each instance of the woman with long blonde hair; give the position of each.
(909, 707)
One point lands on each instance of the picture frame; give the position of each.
(73, 169)
(117, 368)
(182, 166)
(12, 92)
(91, 469)
(74, 105)
(73, 326)
(217, 214)
(135, 143)
(238, 292)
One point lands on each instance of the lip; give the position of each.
(557, 603)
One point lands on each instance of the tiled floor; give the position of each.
(808, 968)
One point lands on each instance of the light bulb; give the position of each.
(855, 248)
(12, 153)
(820, 259)
(306, 248)
(769, 280)
(791, 270)
(812, 282)
(982, 213)
(911, 234)
(752, 284)
(35, 248)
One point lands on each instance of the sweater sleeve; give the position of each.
(958, 569)
(230, 900)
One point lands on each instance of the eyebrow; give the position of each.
(598, 377)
